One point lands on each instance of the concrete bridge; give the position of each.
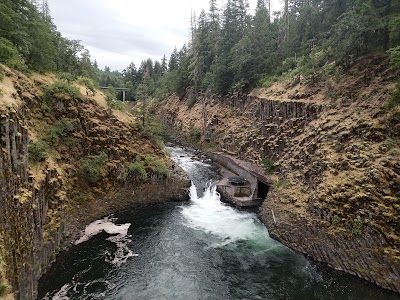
(123, 90)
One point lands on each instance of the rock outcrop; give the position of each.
(336, 150)
(44, 203)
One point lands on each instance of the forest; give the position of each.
(228, 51)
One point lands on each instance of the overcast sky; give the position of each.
(118, 32)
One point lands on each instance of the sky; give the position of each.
(118, 32)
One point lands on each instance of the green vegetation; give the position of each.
(3, 290)
(231, 51)
(394, 98)
(160, 167)
(137, 168)
(30, 40)
(38, 151)
(60, 130)
(93, 168)
(196, 134)
(358, 226)
(268, 165)
(1, 92)
(88, 83)
(149, 159)
(192, 101)
(280, 184)
(335, 220)
(61, 89)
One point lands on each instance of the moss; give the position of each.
(280, 184)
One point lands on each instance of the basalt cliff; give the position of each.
(334, 146)
(65, 161)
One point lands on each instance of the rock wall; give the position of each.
(336, 156)
(45, 204)
(31, 211)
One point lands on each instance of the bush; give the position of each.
(68, 77)
(395, 56)
(268, 81)
(268, 165)
(61, 88)
(191, 101)
(60, 130)
(93, 168)
(161, 168)
(137, 168)
(88, 83)
(195, 133)
(394, 98)
(357, 226)
(149, 158)
(38, 151)
(3, 289)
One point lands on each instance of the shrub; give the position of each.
(268, 165)
(149, 158)
(3, 289)
(88, 83)
(268, 81)
(195, 133)
(61, 88)
(94, 168)
(38, 151)
(191, 101)
(161, 168)
(1, 74)
(1, 92)
(68, 77)
(137, 168)
(60, 130)
(394, 98)
(395, 56)
(357, 226)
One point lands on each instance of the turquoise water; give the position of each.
(203, 249)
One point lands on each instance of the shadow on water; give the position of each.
(203, 249)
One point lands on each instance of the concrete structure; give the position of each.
(123, 90)
(252, 192)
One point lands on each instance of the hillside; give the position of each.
(66, 160)
(335, 145)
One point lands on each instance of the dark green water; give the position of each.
(203, 249)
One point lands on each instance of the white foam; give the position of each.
(120, 238)
(61, 294)
(103, 225)
(208, 214)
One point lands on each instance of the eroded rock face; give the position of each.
(43, 205)
(336, 150)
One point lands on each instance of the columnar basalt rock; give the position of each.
(338, 162)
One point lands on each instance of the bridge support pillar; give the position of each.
(123, 95)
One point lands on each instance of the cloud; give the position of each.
(121, 31)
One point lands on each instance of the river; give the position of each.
(203, 249)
